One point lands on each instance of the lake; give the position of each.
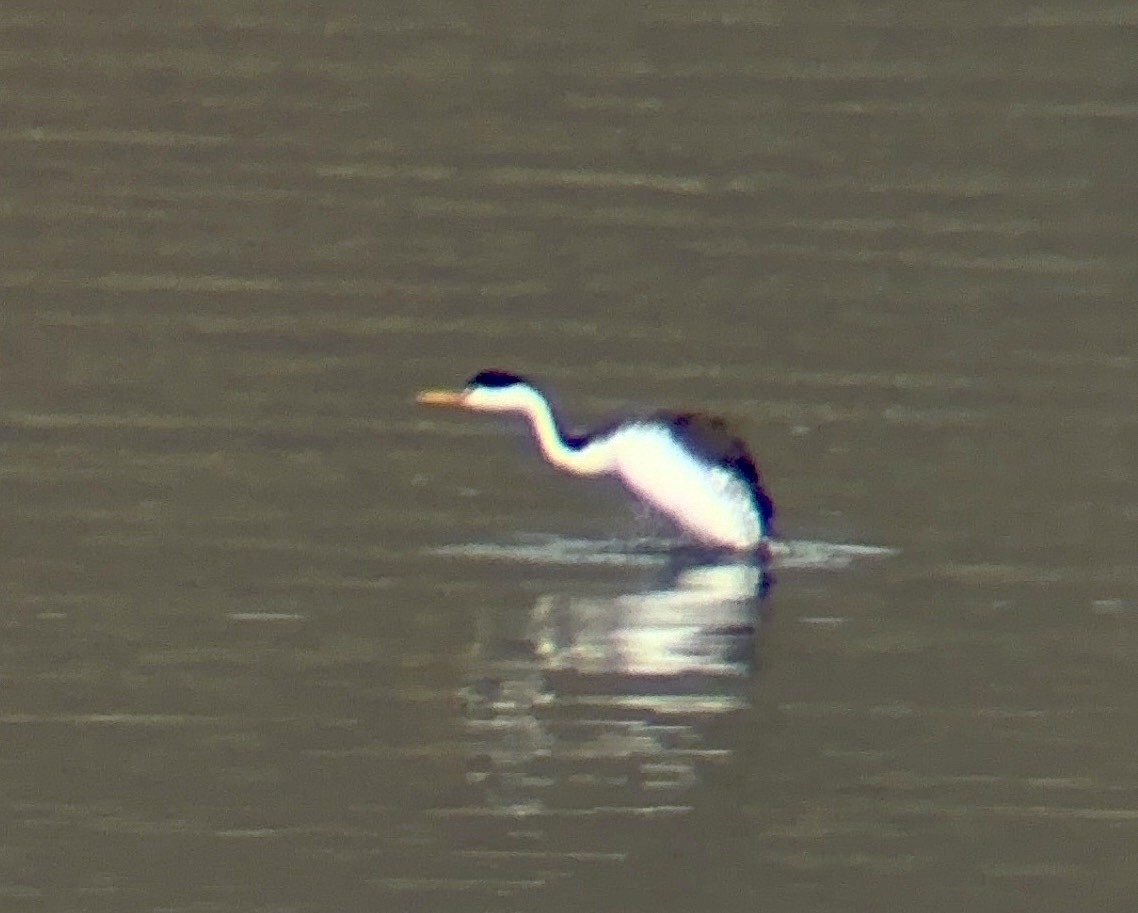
(276, 638)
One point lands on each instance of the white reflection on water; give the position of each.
(595, 717)
(610, 705)
(694, 626)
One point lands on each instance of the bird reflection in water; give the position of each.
(612, 704)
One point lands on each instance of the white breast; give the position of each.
(707, 501)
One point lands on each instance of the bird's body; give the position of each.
(688, 467)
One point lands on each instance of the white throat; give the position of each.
(594, 458)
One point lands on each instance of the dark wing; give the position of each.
(712, 439)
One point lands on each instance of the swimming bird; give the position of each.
(686, 466)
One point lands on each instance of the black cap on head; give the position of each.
(494, 379)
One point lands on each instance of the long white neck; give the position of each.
(593, 459)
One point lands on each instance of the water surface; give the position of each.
(271, 638)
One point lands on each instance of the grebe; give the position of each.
(689, 467)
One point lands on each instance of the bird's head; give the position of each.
(486, 391)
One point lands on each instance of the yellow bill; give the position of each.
(440, 397)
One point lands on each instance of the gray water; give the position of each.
(274, 638)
